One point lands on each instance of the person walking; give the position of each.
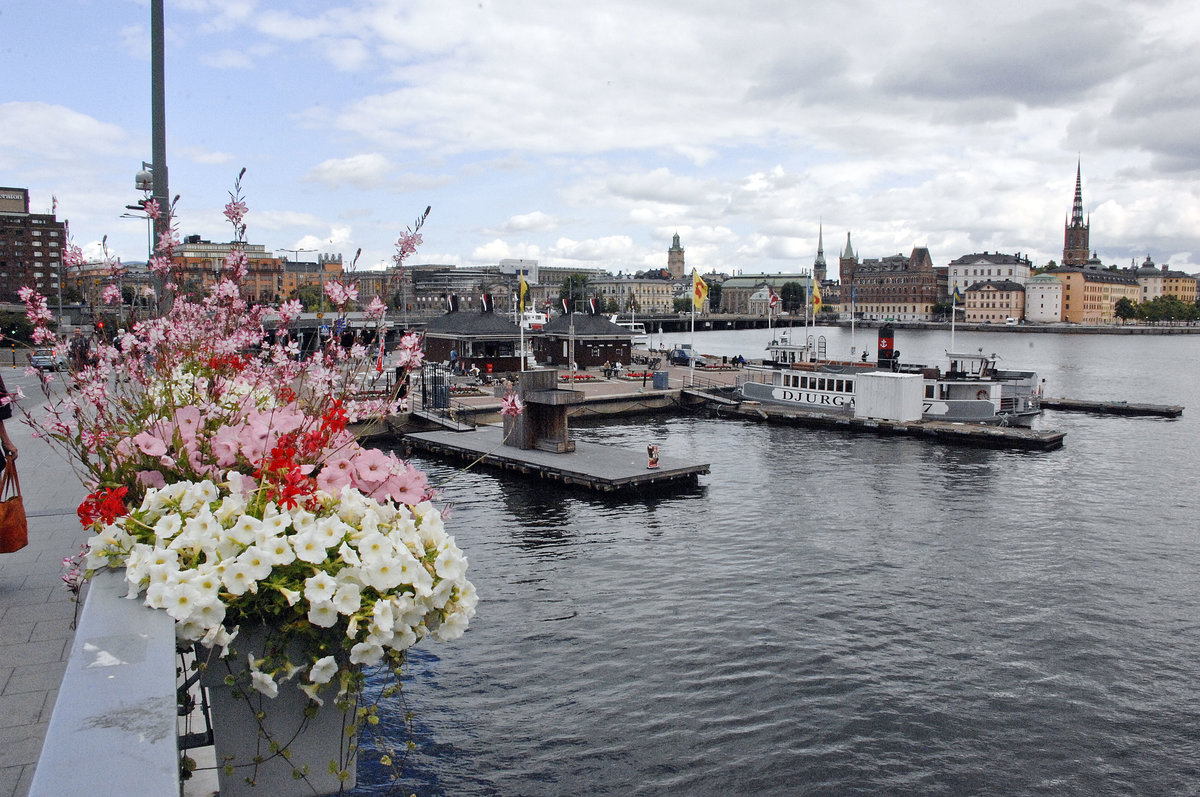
(6, 443)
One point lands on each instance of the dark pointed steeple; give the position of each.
(1076, 244)
(1077, 208)
(819, 267)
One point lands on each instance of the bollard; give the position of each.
(652, 456)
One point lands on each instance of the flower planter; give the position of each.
(239, 737)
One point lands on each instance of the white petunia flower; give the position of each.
(319, 587)
(366, 654)
(322, 613)
(309, 548)
(323, 670)
(261, 682)
(450, 563)
(348, 598)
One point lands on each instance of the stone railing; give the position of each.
(114, 726)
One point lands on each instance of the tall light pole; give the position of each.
(158, 124)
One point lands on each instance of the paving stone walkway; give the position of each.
(36, 610)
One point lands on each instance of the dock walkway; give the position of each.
(1112, 407)
(601, 468)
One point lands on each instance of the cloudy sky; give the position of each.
(587, 134)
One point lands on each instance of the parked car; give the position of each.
(685, 357)
(48, 360)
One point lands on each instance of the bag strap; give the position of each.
(9, 480)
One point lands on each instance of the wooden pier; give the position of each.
(596, 467)
(1112, 407)
(968, 434)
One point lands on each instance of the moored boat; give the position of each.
(971, 389)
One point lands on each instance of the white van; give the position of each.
(1012, 322)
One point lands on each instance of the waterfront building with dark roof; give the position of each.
(894, 288)
(474, 338)
(989, 302)
(596, 341)
(965, 271)
(1091, 292)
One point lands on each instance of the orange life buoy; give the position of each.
(981, 395)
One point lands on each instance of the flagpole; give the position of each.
(853, 348)
(692, 359)
(953, 314)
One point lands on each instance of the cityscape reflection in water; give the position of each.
(833, 614)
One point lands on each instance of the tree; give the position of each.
(312, 298)
(792, 296)
(574, 288)
(683, 304)
(1125, 309)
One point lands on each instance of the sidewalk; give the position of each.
(36, 610)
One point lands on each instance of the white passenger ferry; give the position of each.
(636, 328)
(972, 389)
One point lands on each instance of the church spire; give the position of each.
(819, 266)
(1076, 234)
(1077, 208)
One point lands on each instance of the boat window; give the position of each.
(849, 385)
(804, 382)
(929, 391)
(840, 386)
(820, 384)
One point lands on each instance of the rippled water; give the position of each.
(830, 614)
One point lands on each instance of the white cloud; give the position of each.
(496, 250)
(526, 222)
(366, 171)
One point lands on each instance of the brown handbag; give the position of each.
(14, 531)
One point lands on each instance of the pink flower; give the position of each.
(371, 468)
(412, 486)
(150, 444)
(376, 308)
(253, 439)
(406, 244)
(151, 478)
(187, 421)
(111, 294)
(511, 405)
(340, 294)
(235, 211)
(237, 263)
(290, 311)
(225, 446)
(336, 474)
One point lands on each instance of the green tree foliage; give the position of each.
(574, 288)
(1166, 308)
(683, 304)
(791, 296)
(1125, 310)
(312, 298)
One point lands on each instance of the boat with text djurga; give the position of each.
(972, 388)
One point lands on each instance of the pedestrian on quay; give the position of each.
(6, 443)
